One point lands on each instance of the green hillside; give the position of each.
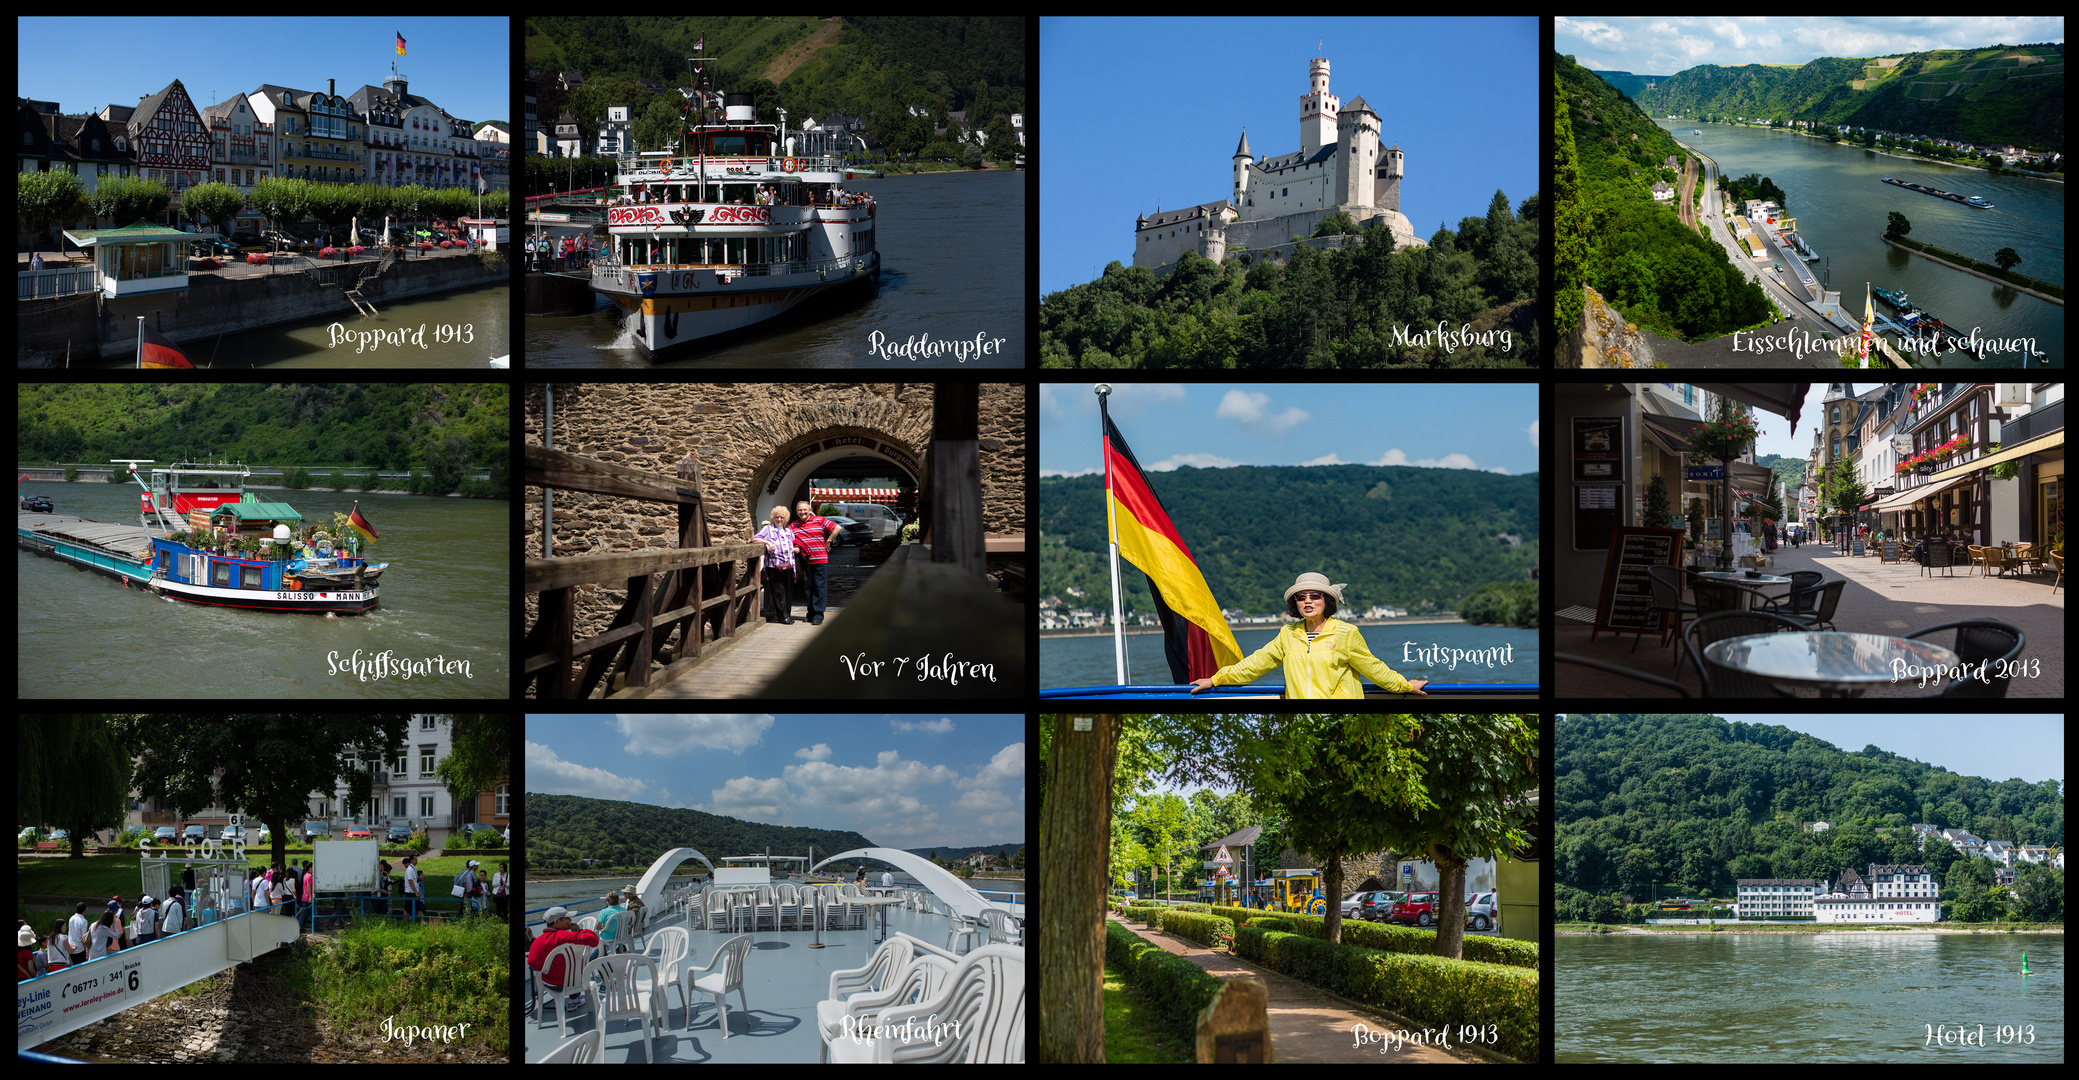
(1611, 235)
(379, 425)
(1693, 802)
(1412, 537)
(563, 829)
(1993, 95)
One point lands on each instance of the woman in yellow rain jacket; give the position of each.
(1323, 656)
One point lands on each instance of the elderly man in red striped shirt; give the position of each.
(812, 554)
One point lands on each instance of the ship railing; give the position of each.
(706, 592)
(1183, 691)
(609, 268)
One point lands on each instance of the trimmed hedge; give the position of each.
(1211, 931)
(1172, 984)
(1387, 937)
(1425, 988)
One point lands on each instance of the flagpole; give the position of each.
(1104, 418)
(139, 362)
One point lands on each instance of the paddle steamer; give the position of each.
(737, 224)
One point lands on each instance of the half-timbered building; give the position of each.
(169, 138)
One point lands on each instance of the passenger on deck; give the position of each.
(559, 932)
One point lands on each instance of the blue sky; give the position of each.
(1666, 44)
(1140, 112)
(902, 781)
(463, 65)
(1490, 426)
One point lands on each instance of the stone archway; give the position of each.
(783, 476)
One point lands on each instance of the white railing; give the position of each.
(64, 281)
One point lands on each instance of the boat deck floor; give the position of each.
(783, 980)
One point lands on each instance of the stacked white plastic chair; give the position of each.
(674, 946)
(979, 1013)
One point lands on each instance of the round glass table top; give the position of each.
(1832, 658)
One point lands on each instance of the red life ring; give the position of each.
(667, 165)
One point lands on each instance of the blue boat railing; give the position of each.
(1170, 690)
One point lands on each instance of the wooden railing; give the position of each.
(686, 588)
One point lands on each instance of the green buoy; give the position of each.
(2024, 963)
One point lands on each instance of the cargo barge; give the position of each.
(1973, 201)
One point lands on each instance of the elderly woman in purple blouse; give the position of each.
(779, 563)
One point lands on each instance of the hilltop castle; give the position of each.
(1338, 167)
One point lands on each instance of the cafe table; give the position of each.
(1739, 577)
(1836, 663)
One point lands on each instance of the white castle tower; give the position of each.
(1241, 170)
(1389, 179)
(1317, 111)
(1357, 157)
(1338, 168)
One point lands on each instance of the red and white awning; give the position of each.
(860, 494)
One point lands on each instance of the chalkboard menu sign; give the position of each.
(1890, 552)
(1625, 602)
(1857, 551)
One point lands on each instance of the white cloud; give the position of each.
(1532, 430)
(941, 726)
(1200, 461)
(551, 775)
(818, 752)
(667, 736)
(1448, 461)
(1249, 409)
(1007, 766)
(752, 799)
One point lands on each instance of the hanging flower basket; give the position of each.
(1723, 440)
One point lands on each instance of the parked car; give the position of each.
(856, 533)
(1479, 911)
(1378, 904)
(1418, 909)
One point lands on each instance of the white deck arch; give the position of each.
(651, 887)
(958, 894)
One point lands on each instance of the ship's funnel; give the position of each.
(736, 108)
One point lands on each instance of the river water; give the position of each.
(446, 604)
(1483, 654)
(952, 267)
(1838, 196)
(1887, 996)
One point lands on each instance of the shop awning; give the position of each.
(2052, 441)
(1783, 399)
(1910, 496)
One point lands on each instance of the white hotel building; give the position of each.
(1890, 894)
(1778, 898)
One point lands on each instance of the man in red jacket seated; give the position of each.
(559, 933)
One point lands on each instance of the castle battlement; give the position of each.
(1338, 167)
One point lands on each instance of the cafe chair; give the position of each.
(1994, 644)
(1667, 596)
(1731, 624)
(1615, 669)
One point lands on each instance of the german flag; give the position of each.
(400, 43)
(360, 525)
(1196, 638)
(154, 351)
